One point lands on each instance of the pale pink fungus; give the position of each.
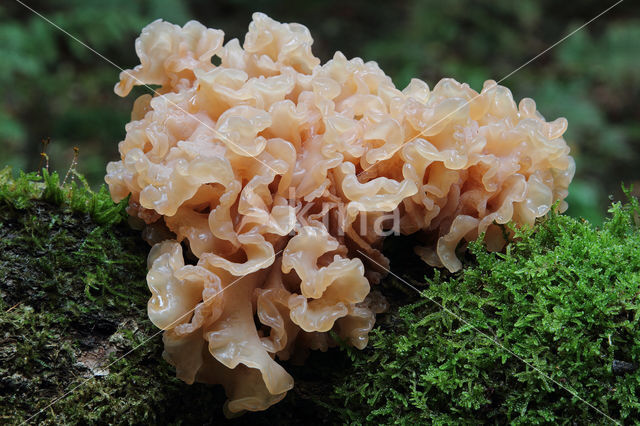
(278, 171)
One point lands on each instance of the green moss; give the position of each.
(73, 302)
(72, 278)
(563, 297)
(20, 194)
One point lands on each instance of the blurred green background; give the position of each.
(52, 87)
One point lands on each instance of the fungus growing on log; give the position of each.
(283, 176)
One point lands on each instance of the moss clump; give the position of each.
(563, 297)
(73, 292)
(73, 302)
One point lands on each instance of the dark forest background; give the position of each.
(52, 87)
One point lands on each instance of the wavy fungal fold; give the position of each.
(278, 173)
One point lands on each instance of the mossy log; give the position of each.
(75, 340)
(546, 332)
